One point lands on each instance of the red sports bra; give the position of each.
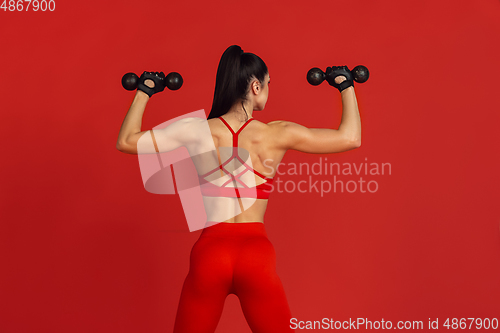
(262, 190)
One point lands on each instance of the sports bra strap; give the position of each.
(235, 135)
(260, 191)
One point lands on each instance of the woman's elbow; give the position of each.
(355, 143)
(123, 148)
(119, 146)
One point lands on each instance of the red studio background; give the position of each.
(85, 248)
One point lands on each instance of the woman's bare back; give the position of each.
(256, 145)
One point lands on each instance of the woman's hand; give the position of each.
(339, 79)
(151, 83)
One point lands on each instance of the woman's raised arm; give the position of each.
(294, 136)
(192, 132)
(130, 132)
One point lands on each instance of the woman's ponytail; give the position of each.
(236, 70)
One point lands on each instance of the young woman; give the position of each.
(235, 256)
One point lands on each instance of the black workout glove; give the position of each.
(157, 78)
(333, 72)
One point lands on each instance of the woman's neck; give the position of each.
(237, 113)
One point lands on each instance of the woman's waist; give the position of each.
(234, 229)
(234, 210)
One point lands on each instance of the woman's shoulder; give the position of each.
(280, 126)
(276, 123)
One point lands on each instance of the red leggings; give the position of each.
(233, 258)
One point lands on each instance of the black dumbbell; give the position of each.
(173, 81)
(315, 75)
